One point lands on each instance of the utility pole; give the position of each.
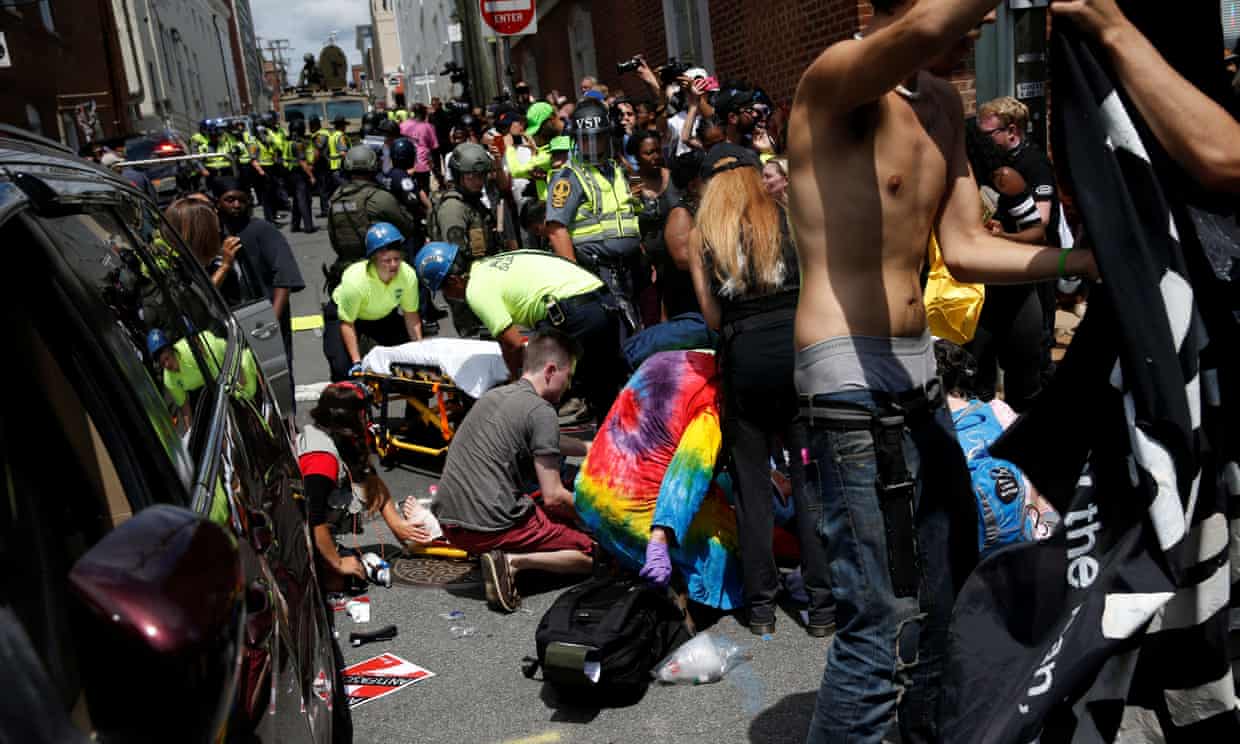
(276, 48)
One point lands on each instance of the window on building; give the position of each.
(687, 23)
(1231, 22)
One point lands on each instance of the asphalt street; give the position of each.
(478, 693)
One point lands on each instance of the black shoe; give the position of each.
(762, 629)
(294, 228)
(311, 231)
(323, 215)
(822, 624)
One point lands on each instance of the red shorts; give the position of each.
(537, 533)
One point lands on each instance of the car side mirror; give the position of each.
(160, 608)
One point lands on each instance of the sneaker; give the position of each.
(573, 410)
(497, 578)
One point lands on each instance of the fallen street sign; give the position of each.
(380, 676)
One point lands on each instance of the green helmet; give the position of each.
(469, 157)
(361, 159)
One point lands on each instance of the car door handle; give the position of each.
(265, 331)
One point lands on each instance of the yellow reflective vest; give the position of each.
(337, 146)
(607, 211)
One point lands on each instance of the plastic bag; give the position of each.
(703, 659)
(952, 307)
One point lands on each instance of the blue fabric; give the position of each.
(998, 485)
(687, 331)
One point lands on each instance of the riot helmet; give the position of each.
(297, 127)
(315, 123)
(271, 119)
(204, 125)
(404, 153)
(469, 157)
(361, 160)
(592, 131)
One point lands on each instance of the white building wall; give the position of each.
(387, 42)
(423, 29)
(183, 58)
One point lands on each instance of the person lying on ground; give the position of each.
(509, 439)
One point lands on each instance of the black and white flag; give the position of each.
(1116, 627)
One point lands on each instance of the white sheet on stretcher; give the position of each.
(475, 366)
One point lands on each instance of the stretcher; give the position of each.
(438, 380)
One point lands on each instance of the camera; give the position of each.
(671, 72)
(632, 65)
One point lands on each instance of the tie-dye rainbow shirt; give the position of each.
(652, 463)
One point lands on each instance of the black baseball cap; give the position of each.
(732, 98)
(725, 156)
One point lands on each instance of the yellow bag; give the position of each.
(952, 307)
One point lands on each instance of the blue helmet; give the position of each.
(157, 341)
(434, 263)
(381, 236)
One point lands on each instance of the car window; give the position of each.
(306, 111)
(347, 109)
(139, 149)
(172, 318)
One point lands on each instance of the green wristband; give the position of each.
(1063, 261)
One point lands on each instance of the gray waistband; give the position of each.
(844, 363)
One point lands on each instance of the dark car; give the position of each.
(168, 180)
(159, 583)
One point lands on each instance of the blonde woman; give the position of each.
(746, 279)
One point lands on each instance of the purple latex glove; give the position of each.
(658, 567)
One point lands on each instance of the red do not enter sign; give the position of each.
(509, 17)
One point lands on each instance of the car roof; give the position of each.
(64, 172)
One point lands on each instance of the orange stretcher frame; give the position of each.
(434, 399)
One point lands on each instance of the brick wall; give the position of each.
(78, 62)
(620, 31)
(769, 44)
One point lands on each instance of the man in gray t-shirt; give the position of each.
(509, 439)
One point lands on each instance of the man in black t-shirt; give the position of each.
(1005, 122)
(265, 255)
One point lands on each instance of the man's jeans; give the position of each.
(888, 650)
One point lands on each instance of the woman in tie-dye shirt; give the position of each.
(653, 464)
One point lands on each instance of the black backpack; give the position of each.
(601, 639)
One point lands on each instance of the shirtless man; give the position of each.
(877, 156)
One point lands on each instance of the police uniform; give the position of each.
(299, 151)
(536, 289)
(597, 208)
(326, 180)
(375, 309)
(216, 165)
(353, 209)
(262, 152)
(408, 194)
(462, 219)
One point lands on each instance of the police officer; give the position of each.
(338, 145)
(355, 207)
(534, 289)
(591, 215)
(299, 160)
(198, 140)
(263, 159)
(400, 182)
(241, 139)
(278, 172)
(461, 217)
(377, 298)
(219, 164)
(319, 136)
